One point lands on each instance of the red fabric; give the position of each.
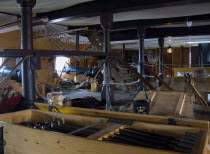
(9, 105)
(95, 64)
(149, 66)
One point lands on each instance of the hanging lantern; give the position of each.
(169, 49)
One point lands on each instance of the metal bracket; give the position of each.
(1, 140)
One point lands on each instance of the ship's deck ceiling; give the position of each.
(162, 18)
(87, 12)
(11, 7)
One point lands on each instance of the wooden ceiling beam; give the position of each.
(161, 32)
(95, 8)
(132, 24)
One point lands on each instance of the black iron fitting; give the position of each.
(141, 33)
(106, 20)
(26, 3)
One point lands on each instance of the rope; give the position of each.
(147, 63)
(39, 94)
(123, 84)
(122, 68)
(149, 76)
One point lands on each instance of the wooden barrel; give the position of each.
(76, 79)
(201, 112)
(55, 98)
(94, 86)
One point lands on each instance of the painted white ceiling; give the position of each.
(165, 12)
(6, 18)
(10, 6)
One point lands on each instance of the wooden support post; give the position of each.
(106, 23)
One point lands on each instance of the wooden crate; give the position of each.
(124, 116)
(23, 140)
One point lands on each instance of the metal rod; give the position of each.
(141, 35)
(2, 65)
(9, 75)
(123, 51)
(141, 55)
(86, 127)
(28, 66)
(107, 68)
(161, 45)
(137, 91)
(160, 61)
(77, 48)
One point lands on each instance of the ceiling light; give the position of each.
(189, 23)
(199, 42)
(169, 49)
